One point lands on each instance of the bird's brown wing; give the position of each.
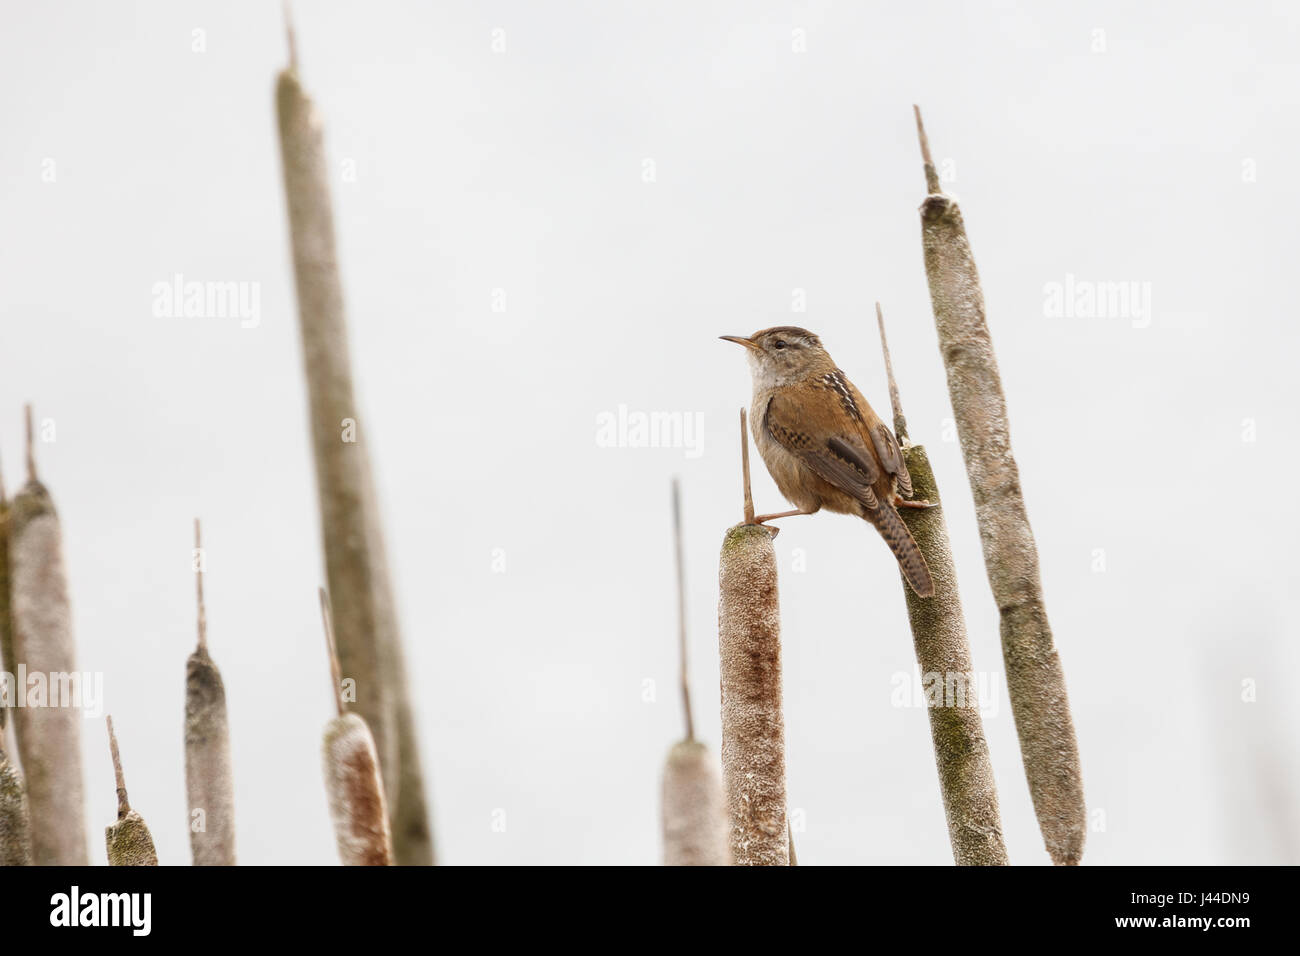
(883, 440)
(891, 457)
(840, 460)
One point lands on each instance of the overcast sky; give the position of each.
(549, 211)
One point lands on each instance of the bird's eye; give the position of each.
(778, 344)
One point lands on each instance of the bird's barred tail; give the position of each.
(900, 541)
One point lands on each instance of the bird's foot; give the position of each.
(901, 502)
(759, 519)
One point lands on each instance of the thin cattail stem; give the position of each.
(931, 174)
(744, 466)
(290, 34)
(198, 587)
(331, 651)
(1035, 679)
(681, 608)
(365, 615)
(48, 731)
(209, 772)
(128, 841)
(123, 804)
(895, 402)
(970, 796)
(30, 443)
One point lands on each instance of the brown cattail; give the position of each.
(369, 645)
(352, 777)
(694, 808)
(48, 726)
(15, 830)
(970, 796)
(1035, 680)
(753, 732)
(7, 663)
(208, 776)
(129, 841)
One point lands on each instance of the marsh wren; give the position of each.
(824, 445)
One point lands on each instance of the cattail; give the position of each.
(694, 809)
(48, 730)
(369, 645)
(352, 776)
(7, 663)
(753, 732)
(970, 796)
(1035, 680)
(15, 831)
(129, 841)
(208, 775)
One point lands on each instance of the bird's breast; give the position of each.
(793, 478)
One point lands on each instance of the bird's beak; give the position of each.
(741, 340)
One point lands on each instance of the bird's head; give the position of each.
(783, 354)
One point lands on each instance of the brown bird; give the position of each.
(824, 445)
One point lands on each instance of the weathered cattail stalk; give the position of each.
(694, 809)
(369, 645)
(15, 830)
(970, 796)
(1035, 681)
(48, 727)
(7, 661)
(129, 841)
(209, 779)
(353, 780)
(753, 731)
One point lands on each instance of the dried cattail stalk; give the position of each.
(369, 644)
(970, 796)
(7, 663)
(353, 779)
(209, 779)
(15, 830)
(1035, 680)
(48, 731)
(694, 809)
(129, 841)
(695, 812)
(753, 731)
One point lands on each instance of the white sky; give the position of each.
(775, 171)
